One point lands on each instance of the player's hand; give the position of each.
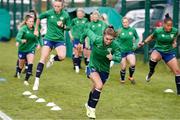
(24, 41)
(60, 24)
(109, 56)
(38, 47)
(140, 44)
(174, 45)
(17, 44)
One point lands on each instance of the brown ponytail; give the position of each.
(110, 31)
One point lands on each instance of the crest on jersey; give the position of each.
(52, 16)
(172, 35)
(130, 33)
(163, 35)
(122, 33)
(99, 25)
(61, 18)
(27, 32)
(83, 22)
(77, 21)
(93, 26)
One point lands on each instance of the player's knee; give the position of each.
(123, 67)
(177, 72)
(99, 86)
(43, 59)
(61, 57)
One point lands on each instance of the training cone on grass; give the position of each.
(56, 108)
(50, 104)
(168, 91)
(40, 100)
(26, 93)
(33, 97)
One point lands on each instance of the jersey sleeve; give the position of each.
(90, 34)
(72, 23)
(116, 53)
(44, 15)
(68, 22)
(136, 38)
(154, 34)
(19, 36)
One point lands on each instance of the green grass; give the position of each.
(70, 91)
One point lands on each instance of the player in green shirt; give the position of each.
(78, 26)
(164, 48)
(58, 21)
(97, 25)
(27, 43)
(104, 50)
(128, 40)
(33, 13)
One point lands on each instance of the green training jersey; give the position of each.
(97, 27)
(128, 39)
(78, 26)
(164, 40)
(98, 59)
(54, 32)
(28, 35)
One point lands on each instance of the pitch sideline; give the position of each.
(4, 116)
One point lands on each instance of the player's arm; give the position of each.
(88, 33)
(67, 25)
(41, 16)
(175, 41)
(19, 37)
(117, 54)
(136, 36)
(147, 40)
(70, 32)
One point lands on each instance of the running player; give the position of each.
(78, 25)
(26, 49)
(128, 40)
(164, 49)
(104, 50)
(58, 21)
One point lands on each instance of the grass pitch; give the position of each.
(60, 84)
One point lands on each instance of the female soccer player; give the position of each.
(97, 25)
(104, 50)
(164, 49)
(127, 44)
(27, 43)
(78, 25)
(33, 13)
(58, 20)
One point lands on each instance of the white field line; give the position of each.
(4, 116)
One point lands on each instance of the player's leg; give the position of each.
(155, 57)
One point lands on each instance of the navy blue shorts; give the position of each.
(167, 56)
(125, 54)
(22, 55)
(75, 42)
(103, 75)
(53, 44)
